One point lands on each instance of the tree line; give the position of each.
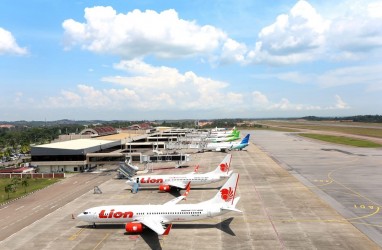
(357, 118)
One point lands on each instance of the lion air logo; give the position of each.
(227, 194)
(224, 167)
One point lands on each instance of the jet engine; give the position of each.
(165, 188)
(134, 227)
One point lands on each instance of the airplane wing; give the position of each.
(154, 224)
(179, 198)
(175, 200)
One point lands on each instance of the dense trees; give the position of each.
(357, 118)
(19, 138)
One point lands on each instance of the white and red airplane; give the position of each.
(156, 217)
(168, 182)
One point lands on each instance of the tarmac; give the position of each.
(280, 209)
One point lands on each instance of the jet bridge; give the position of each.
(179, 158)
(126, 169)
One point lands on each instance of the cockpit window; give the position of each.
(85, 212)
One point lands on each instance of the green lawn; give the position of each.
(33, 184)
(343, 140)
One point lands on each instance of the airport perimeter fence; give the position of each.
(33, 175)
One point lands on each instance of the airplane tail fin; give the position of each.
(224, 166)
(227, 193)
(245, 139)
(237, 133)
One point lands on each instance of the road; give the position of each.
(23, 212)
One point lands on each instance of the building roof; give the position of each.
(99, 131)
(16, 170)
(119, 136)
(75, 144)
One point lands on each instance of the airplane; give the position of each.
(216, 129)
(235, 136)
(170, 182)
(156, 217)
(224, 146)
(224, 134)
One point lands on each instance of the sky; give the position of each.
(196, 59)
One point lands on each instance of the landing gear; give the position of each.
(94, 225)
(175, 189)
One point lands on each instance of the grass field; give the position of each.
(33, 185)
(343, 140)
(367, 130)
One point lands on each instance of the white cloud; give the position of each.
(137, 34)
(152, 88)
(259, 99)
(261, 102)
(340, 104)
(353, 31)
(294, 37)
(89, 97)
(8, 44)
(303, 34)
(362, 75)
(286, 105)
(375, 9)
(357, 33)
(233, 51)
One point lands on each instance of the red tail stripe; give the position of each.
(234, 194)
(229, 164)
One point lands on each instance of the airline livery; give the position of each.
(168, 182)
(159, 217)
(224, 146)
(232, 137)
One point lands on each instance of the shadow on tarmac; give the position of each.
(223, 226)
(154, 241)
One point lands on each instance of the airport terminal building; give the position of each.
(71, 156)
(80, 154)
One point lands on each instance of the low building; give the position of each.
(82, 154)
(70, 156)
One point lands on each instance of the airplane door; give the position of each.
(209, 213)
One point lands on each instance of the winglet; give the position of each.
(196, 169)
(167, 231)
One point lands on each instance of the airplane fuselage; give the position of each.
(163, 213)
(195, 179)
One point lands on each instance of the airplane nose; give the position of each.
(80, 216)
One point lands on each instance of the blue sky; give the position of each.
(145, 59)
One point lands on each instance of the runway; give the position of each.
(278, 212)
